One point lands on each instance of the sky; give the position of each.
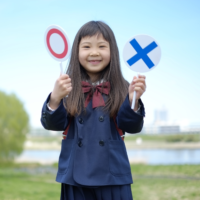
(27, 70)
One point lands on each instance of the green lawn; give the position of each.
(17, 185)
(176, 182)
(165, 189)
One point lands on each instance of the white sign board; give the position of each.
(141, 53)
(57, 43)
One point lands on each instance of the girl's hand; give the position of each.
(61, 89)
(138, 85)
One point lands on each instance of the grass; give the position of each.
(173, 182)
(160, 182)
(165, 189)
(15, 184)
(166, 170)
(18, 185)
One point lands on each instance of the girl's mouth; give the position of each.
(94, 61)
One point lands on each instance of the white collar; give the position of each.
(98, 82)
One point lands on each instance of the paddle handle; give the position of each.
(133, 101)
(61, 68)
(61, 71)
(134, 97)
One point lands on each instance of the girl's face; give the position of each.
(94, 55)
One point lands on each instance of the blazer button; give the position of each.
(80, 144)
(80, 120)
(101, 143)
(101, 118)
(43, 115)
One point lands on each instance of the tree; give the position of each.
(14, 125)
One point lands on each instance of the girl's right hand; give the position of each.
(61, 89)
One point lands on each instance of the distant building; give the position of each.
(156, 129)
(169, 129)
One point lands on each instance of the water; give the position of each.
(167, 156)
(149, 156)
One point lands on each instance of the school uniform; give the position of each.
(93, 156)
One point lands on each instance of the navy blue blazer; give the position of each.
(93, 154)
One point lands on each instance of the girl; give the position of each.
(93, 163)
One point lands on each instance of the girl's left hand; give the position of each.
(138, 85)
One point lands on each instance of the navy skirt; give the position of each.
(113, 192)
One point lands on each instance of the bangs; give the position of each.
(94, 28)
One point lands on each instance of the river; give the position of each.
(148, 156)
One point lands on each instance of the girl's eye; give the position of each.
(86, 47)
(102, 46)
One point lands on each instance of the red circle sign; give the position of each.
(62, 36)
(62, 55)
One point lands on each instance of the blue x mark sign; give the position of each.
(142, 53)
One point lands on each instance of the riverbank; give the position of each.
(162, 145)
(130, 144)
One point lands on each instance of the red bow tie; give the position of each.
(97, 99)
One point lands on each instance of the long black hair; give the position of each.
(74, 104)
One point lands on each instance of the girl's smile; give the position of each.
(94, 54)
(94, 62)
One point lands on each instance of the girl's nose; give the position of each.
(94, 53)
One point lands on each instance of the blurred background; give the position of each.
(165, 156)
